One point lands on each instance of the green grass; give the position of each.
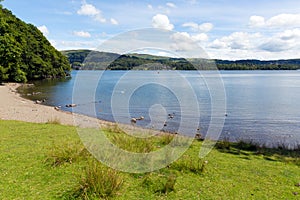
(48, 161)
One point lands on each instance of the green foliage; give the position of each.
(25, 54)
(3, 74)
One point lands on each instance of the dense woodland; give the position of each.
(87, 59)
(25, 54)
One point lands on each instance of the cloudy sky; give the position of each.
(225, 29)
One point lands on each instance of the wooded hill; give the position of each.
(25, 54)
(87, 60)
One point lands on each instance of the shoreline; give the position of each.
(15, 107)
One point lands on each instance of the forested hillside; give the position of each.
(87, 59)
(25, 54)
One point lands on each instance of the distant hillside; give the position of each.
(87, 59)
(91, 59)
(291, 64)
(25, 54)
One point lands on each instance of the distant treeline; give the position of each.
(87, 59)
(25, 54)
(292, 64)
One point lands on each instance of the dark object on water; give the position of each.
(171, 116)
(133, 120)
(71, 105)
(140, 118)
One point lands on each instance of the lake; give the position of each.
(261, 106)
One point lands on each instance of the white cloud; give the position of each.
(114, 21)
(99, 18)
(183, 41)
(149, 6)
(243, 45)
(91, 11)
(88, 9)
(256, 21)
(64, 45)
(290, 34)
(274, 45)
(82, 34)
(237, 40)
(162, 21)
(200, 37)
(192, 25)
(171, 5)
(287, 40)
(44, 30)
(205, 27)
(284, 20)
(218, 44)
(278, 21)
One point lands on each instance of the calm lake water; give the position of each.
(262, 106)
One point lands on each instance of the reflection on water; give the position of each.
(262, 106)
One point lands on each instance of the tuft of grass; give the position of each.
(169, 186)
(165, 139)
(248, 146)
(280, 152)
(98, 182)
(223, 145)
(188, 163)
(54, 121)
(135, 144)
(160, 183)
(67, 152)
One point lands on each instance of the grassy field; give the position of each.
(48, 161)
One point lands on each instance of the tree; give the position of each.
(25, 54)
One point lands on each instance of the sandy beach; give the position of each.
(14, 107)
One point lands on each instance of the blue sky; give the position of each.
(257, 29)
